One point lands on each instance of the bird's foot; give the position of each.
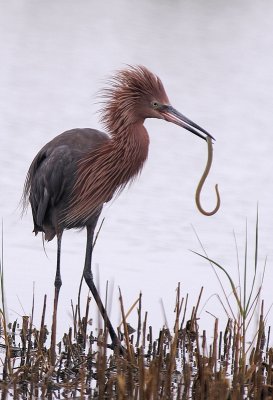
(118, 347)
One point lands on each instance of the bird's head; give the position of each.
(135, 94)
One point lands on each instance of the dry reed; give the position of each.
(181, 364)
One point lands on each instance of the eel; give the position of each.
(201, 183)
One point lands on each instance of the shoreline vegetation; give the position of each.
(181, 362)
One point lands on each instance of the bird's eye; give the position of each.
(155, 104)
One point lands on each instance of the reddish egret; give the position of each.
(78, 171)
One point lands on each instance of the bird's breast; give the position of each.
(107, 171)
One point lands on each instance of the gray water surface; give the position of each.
(215, 59)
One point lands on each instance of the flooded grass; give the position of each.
(178, 364)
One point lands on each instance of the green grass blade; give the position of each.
(238, 266)
(229, 278)
(214, 270)
(245, 269)
(255, 260)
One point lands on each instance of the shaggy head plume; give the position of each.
(128, 95)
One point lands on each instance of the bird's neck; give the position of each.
(108, 170)
(130, 150)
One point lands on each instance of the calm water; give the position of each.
(215, 59)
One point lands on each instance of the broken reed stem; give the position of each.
(79, 297)
(41, 339)
(125, 327)
(144, 330)
(24, 333)
(85, 321)
(173, 346)
(30, 328)
(7, 368)
(139, 319)
(129, 311)
(54, 328)
(184, 314)
(215, 337)
(198, 301)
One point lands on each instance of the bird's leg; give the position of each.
(57, 284)
(88, 276)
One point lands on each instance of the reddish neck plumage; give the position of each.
(130, 149)
(108, 170)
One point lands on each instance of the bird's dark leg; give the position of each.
(57, 284)
(88, 276)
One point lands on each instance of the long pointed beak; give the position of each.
(170, 114)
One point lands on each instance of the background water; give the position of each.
(215, 59)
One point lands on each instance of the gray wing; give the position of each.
(49, 173)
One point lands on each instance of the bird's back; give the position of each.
(52, 175)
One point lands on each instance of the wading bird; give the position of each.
(78, 171)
